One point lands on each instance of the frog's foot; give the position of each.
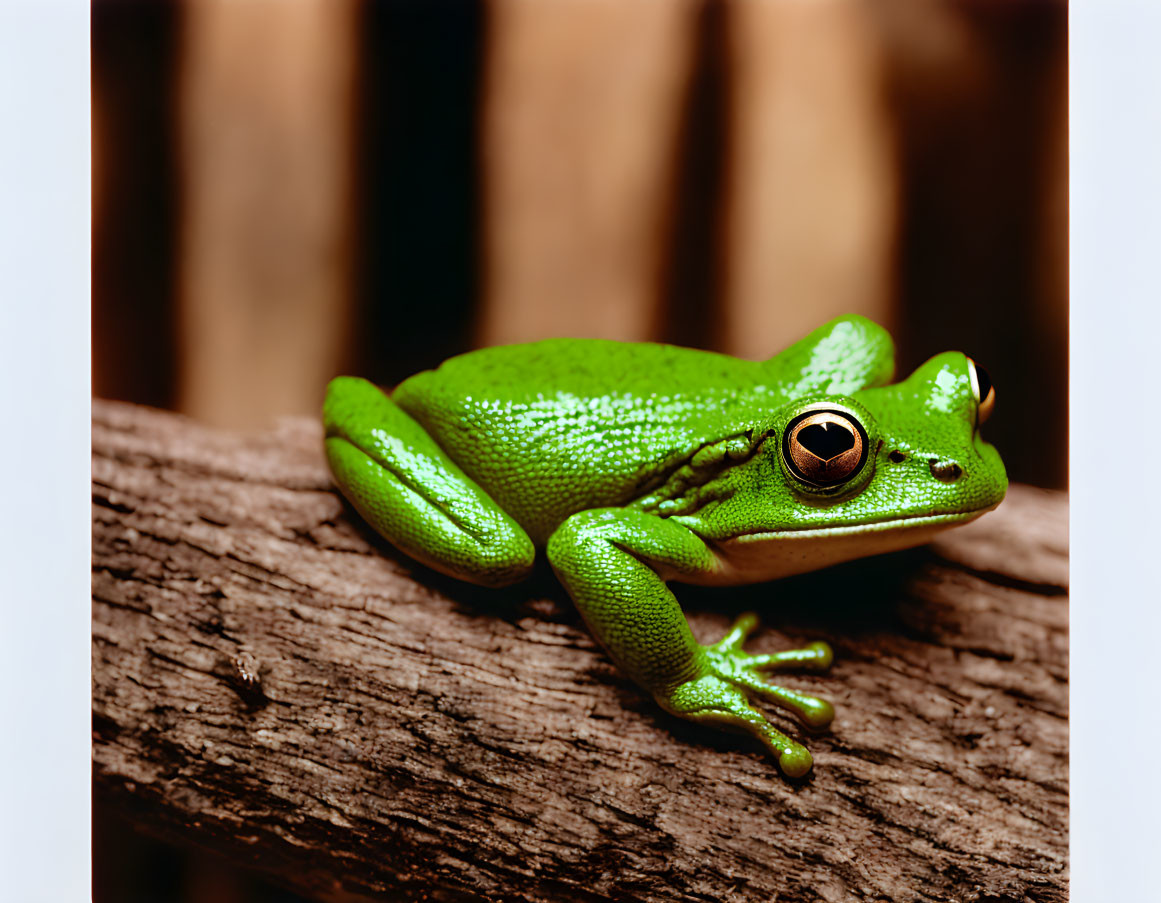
(728, 675)
(727, 661)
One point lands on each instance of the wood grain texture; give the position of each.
(274, 682)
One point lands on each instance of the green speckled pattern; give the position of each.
(637, 464)
(562, 425)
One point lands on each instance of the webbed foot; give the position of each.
(720, 693)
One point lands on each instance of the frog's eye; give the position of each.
(824, 447)
(983, 389)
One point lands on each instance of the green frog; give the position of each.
(637, 465)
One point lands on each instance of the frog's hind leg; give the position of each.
(412, 493)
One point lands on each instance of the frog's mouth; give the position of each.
(864, 527)
(771, 554)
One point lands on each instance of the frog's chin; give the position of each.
(769, 555)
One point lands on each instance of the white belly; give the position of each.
(756, 557)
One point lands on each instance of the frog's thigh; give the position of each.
(614, 562)
(409, 490)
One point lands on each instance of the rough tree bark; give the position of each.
(274, 682)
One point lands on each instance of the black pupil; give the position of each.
(826, 440)
(984, 381)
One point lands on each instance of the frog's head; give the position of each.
(908, 451)
(845, 476)
(932, 459)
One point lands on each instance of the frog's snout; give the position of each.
(974, 477)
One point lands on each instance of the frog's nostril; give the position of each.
(945, 471)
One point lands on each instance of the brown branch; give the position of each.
(272, 681)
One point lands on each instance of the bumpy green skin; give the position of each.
(637, 464)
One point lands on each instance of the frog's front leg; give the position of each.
(614, 563)
(410, 491)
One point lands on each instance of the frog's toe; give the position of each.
(737, 634)
(818, 715)
(813, 712)
(796, 762)
(712, 699)
(818, 656)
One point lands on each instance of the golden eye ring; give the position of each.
(824, 448)
(982, 389)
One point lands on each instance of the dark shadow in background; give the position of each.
(134, 84)
(131, 868)
(975, 272)
(418, 202)
(688, 312)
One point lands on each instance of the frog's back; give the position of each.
(557, 426)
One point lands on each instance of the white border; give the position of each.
(45, 532)
(1115, 280)
(1115, 273)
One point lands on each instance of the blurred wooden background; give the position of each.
(289, 189)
